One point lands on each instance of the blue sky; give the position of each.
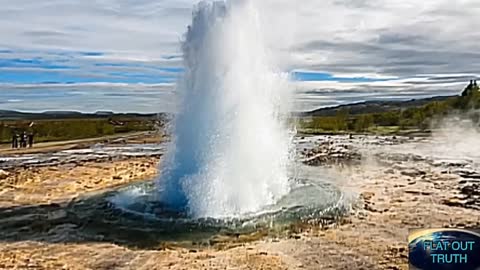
(339, 50)
(79, 67)
(63, 68)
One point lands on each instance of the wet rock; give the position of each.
(471, 190)
(460, 164)
(469, 196)
(372, 209)
(454, 202)
(467, 181)
(418, 192)
(60, 214)
(330, 154)
(296, 237)
(470, 176)
(412, 172)
(464, 172)
(390, 171)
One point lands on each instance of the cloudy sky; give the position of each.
(123, 55)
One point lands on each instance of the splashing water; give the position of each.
(231, 145)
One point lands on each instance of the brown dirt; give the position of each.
(391, 202)
(134, 137)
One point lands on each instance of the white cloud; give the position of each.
(142, 28)
(390, 37)
(88, 97)
(399, 39)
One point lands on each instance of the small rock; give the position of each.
(367, 195)
(455, 202)
(57, 215)
(3, 174)
(471, 190)
(412, 172)
(390, 171)
(417, 192)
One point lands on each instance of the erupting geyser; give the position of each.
(231, 145)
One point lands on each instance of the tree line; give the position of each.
(416, 117)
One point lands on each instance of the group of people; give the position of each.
(471, 88)
(22, 140)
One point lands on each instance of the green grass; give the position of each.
(72, 129)
(402, 121)
(392, 122)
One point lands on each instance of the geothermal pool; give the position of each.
(312, 199)
(135, 215)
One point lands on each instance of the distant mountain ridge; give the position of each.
(374, 106)
(353, 109)
(16, 115)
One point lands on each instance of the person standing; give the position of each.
(14, 140)
(17, 143)
(17, 140)
(30, 140)
(23, 140)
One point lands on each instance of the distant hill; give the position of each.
(50, 115)
(353, 109)
(375, 106)
(391, 116)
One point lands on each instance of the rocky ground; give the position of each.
(397, 188)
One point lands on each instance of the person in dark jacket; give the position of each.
(19, 138)
(30, 140)
(14, 141)
(23, 140)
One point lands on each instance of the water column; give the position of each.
(231, 145)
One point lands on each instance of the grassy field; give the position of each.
(71, 129)
(398, 121)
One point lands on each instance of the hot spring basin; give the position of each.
(313, 198)
(130, 216)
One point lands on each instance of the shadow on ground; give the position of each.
(91, 219)
(94, 219)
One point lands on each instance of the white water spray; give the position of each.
(231, 145)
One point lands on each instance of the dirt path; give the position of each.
(65, 145)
